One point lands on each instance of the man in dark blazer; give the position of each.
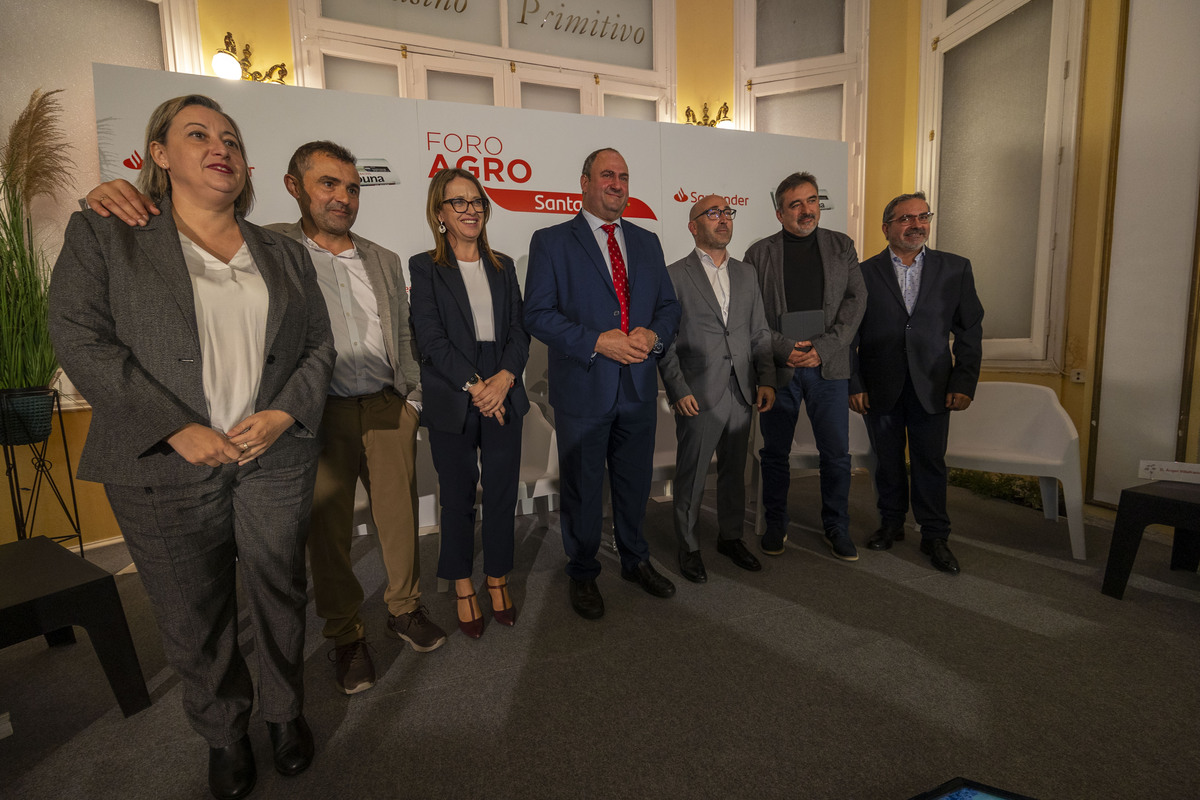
(598, 294)
(808, 268)
(905, 381)
(718, 369)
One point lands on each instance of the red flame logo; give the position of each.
(681, 195)
(134, 161)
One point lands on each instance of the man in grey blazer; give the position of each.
(718, 369)
(808, 268)
(367, 430)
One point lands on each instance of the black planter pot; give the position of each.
(25, 415)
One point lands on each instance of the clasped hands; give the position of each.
(488, 395)
(626, 348)
(246, 441)
(803, 355)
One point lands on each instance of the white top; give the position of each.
(231, 319)
(362, 365)
(480, 295)
(718, 278)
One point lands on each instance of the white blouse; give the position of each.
(231, 318)
(480, 295)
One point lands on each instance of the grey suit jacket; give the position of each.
(845, 300)
(391, 296)
(123, 321)
(706, 348)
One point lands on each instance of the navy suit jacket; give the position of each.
(891, 343)
(445, 330)
(570, 301)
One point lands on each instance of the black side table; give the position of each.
(1163, 503)
(45, 589)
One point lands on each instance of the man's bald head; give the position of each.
(711, 235)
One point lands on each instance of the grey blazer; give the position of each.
(123, 321)
(391, 296)
(699, 361)
(845, 300)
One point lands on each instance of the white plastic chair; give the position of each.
(1021, 429)
(804, 458)
(538, 479)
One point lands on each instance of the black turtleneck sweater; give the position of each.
(803, 278)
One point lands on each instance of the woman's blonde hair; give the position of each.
(154, 180)
(437, 195)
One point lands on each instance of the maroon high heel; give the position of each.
(506, 614)
(474, 626)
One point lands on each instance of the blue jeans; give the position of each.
(827, 404)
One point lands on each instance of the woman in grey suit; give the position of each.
(203, 345)
(466, 313)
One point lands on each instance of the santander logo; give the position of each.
(734, 200)
(134, 161)
(484, 157)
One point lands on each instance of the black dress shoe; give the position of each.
(691, 566)
(231, 772)
(586, 599)
(736, 551)
(650, 580)
(939, 553)
(292, 742)
(882, 539)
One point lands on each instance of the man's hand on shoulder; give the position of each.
(119, 197)
(620, 347)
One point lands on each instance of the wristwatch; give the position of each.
(473, 380)
(658, 345)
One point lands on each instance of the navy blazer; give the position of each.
(892, 344)
(123, 321)
(445, 331)
(570, 301)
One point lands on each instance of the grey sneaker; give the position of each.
(353, 669)
(772, 541)
(417, 629)
(841, 546)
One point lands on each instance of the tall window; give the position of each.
(801, 69)
(999, 95)
(568, 55)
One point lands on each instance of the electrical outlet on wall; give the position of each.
(1078, 376)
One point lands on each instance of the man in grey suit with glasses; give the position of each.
(719, 368)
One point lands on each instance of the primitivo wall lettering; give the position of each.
(457, 6)
(592, 27)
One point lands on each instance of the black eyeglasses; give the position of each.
(717, 213)
(907, 218)
(459, 204)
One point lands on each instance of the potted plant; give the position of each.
(33, 162)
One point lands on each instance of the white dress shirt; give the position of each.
(718, 278)
(362, 365)
(479, 293)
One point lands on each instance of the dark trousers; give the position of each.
(457, 458)
(925, 435)
(828, 405)
(624, 440)
(188, 541)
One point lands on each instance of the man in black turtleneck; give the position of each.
(806, 268)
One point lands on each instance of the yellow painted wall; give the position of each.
(703, 56)
(265, 24)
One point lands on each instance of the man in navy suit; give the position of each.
(598, 294)
(905, 381)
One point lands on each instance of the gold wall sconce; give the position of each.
(721, 120)
(226, 64)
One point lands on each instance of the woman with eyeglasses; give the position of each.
(467, 315)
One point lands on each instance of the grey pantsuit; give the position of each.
(123, 320)
(721, 364)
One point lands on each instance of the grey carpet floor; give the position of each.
(812, 679)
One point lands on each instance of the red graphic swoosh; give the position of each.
(533, 201)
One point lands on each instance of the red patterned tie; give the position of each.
(620, 277)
